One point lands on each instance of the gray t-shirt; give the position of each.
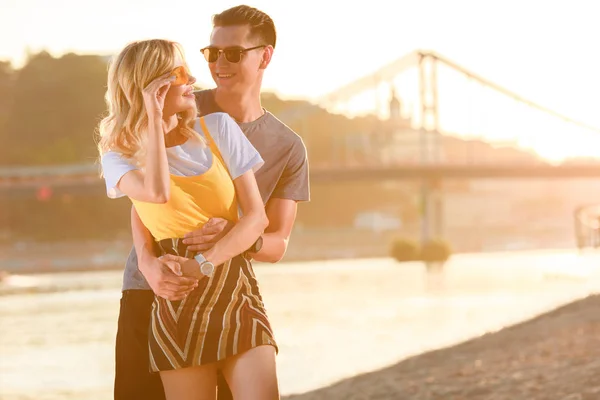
(284, 173)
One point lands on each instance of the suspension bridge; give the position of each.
(440, 121)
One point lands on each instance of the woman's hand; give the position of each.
(154, 95)
(210, 233)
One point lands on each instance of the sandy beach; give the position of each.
(555, 356)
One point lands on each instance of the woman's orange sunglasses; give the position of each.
(181, 76)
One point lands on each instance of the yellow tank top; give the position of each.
(193, 199)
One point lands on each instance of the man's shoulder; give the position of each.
(202, 94)
(205, 102)
(283, 132)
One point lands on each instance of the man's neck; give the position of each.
(245, 107)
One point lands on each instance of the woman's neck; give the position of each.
(169, 122)
(171, 129)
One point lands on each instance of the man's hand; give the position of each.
(187, 266)
(165, 278)
(210, 233)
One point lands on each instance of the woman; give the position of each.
(179, 171)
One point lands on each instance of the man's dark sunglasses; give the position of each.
(232, 54)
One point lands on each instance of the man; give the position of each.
(241, 46)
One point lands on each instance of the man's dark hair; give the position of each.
(261, 25)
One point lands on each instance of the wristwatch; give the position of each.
(206, 267)
(255, 248)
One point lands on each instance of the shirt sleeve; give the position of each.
(238, 153)
(294, 182)
(114, 166)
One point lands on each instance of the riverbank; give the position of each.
(555, 356)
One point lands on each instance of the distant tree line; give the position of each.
(50, 108)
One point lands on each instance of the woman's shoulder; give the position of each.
(220, 126)
(216, 119)
(114, 157)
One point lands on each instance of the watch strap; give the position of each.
(200, 258)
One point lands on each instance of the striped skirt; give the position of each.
(222, 317)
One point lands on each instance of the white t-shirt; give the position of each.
(190, 158)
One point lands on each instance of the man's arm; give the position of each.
(281, 208)
(142, 239)
(282, 215)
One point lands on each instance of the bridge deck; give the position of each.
(89, 174)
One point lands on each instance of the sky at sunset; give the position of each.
(546, 51)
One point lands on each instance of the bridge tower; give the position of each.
(431, 199)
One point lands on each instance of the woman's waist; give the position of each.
(170, 222)
(176, 247)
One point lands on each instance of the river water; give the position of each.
(332, 319)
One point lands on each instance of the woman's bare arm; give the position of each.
(153, 185)
(250, 225)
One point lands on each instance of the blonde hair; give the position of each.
(138, 64)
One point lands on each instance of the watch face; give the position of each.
(207, 268)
